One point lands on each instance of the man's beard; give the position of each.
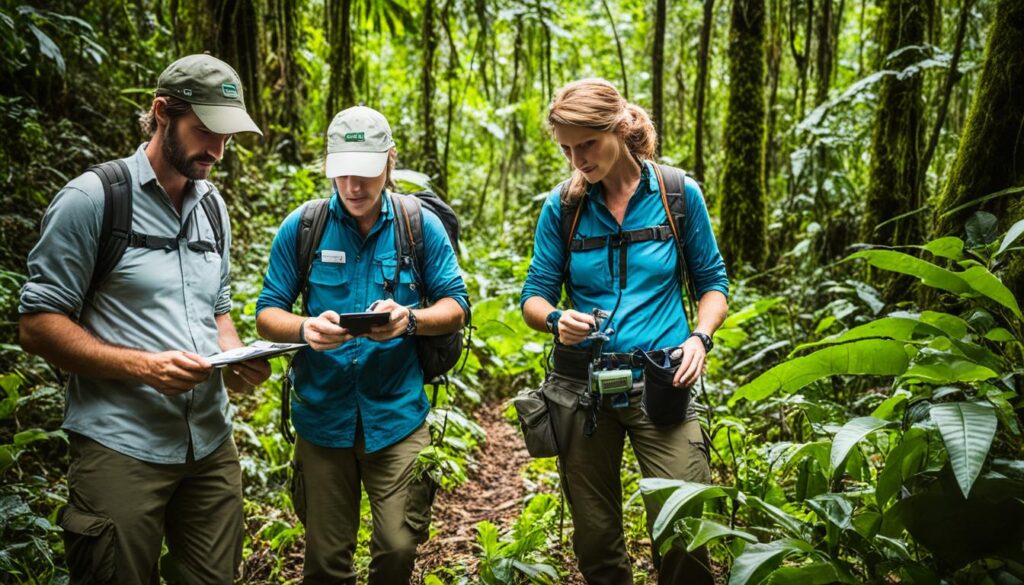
(175, 155)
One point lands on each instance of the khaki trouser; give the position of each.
(119, 509)
(326, 493)
(591, 469)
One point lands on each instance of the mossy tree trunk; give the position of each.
(430, 159)
(893, 186)
(658, 73)
(341, 91)
(743, 196)
(990, 157)
(703, 57)
(285, 80)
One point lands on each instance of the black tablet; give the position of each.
(359, 323)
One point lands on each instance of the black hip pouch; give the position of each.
(663, 403)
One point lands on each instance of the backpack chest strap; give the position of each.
(660, 233)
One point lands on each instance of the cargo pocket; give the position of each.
(535, 421)
(419, 502)
(89, 545)
(298, 491)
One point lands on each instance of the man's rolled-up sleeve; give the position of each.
(61, 264)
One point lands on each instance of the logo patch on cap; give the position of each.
(230, 90)
(355, 137)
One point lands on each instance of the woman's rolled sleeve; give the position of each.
(703, 259)
(544, 278)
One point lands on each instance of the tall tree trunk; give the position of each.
(801, 59)
(990, 157)
(893, 188)
(658, 72)
(703, 56)
(430, 161)
(618, 47)
(824, 52)
(952, 76)
(341, 92)
(287, 86)
(774, 69)
(743, 197)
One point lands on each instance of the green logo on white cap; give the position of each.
(355, 137)
(230, 90)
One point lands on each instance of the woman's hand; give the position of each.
(574, 327)
(692, 366)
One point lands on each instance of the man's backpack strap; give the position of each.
(570, 212)
(409, 246)
(311, 230)
(209, 203)
(115, 232)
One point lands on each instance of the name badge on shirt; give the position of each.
(332, 256)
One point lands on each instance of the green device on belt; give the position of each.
(613, 381)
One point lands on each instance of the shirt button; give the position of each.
(355, 362)
(358, 258)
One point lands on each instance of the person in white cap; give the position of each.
(128, 290)
(359, 407)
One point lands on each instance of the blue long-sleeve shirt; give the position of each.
(377, 383)
(650, 314)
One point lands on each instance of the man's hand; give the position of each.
(174, 372)
(252, 372)
(324, 332)
(395, 326)
(574, 327)
(692, 365)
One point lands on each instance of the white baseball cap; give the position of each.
(358, 142)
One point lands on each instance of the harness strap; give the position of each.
(660, 233)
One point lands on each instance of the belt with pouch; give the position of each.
(574, 362)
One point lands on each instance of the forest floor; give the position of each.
(495, 492)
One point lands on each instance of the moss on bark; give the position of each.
(743, 193)
(990, 157)
(893, 185)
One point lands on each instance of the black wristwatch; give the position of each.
(705, 339)
(410, 327)
(552, 322)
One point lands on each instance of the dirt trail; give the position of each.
(494, 492)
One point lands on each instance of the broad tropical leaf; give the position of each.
(869, 356)
(758, 560)
(851, 434)
(950, 247)
(967, 429)
(904, 460)
(986, 283)
(930, 274)
(1015, 231)
(813, 574)
(701, 531)
(676, 504)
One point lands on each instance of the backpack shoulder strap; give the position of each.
(570, 212)
(213, 215)
(117, 219)
(311, 230)
(408, 228)
(672, 183)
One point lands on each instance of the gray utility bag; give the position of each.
(550, 416)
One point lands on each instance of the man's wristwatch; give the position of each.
(410, 327)
(705, 339)
(552, 322)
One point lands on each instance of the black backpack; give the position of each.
(438, 354)
(116, 233)
(672, 182)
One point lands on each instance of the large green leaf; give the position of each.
(897, 328)
(945, 368)
(851, 434)
(677, 503)
(757, 560)
(967, 429)
(32, 435)
(930, 274)
(820, 573)
(950, 247)
(905, 459)
(1015, 231)
(986, 283)
(789, 523)
(869, 356)
(701, 531)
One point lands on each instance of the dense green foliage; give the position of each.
(861, 432)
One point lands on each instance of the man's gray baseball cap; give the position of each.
(358, 141)
(214, 90)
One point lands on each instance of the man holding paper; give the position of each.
(147, 415)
